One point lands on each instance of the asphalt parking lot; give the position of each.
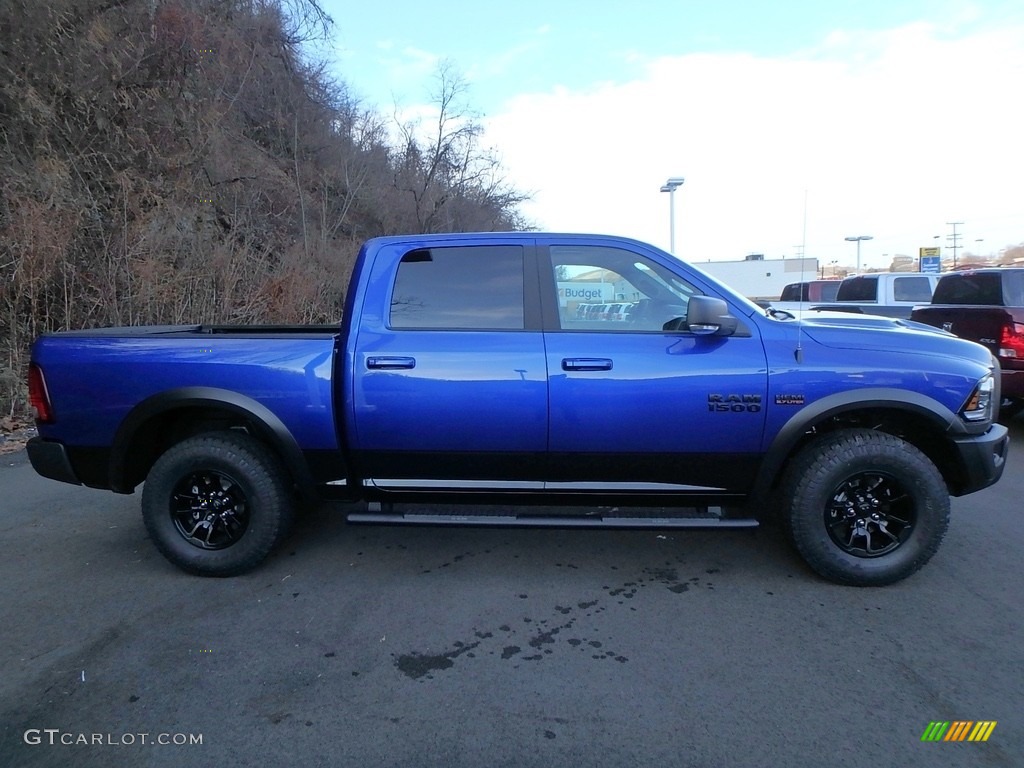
(375, 646)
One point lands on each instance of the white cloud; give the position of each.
(890, 134)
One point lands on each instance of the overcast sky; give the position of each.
(887, 118)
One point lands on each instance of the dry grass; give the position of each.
(184, 162)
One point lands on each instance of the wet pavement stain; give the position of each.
(545, 635)
(416, 665)
(669, 577)
(449, 563)
(543, 639)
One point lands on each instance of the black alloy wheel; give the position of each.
(217, 504)
(870, 514)
(210, 510)
(864, 507)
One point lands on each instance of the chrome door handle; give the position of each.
(391, 363)
(586, 364)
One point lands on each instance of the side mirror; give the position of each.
(708, 316)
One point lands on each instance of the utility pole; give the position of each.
(955, 237)
(671, 186)
(858, 239)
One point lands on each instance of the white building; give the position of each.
(759, 278)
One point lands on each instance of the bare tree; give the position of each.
(191, 161)
(454, 182)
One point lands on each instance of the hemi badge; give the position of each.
(789, 399)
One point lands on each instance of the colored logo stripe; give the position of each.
(958, 730)
(982, 730)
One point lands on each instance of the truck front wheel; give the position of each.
(865, 508)
(217, 504)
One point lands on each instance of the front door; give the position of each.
(637, 402)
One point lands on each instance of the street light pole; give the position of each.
(670, 187)
(857, 239)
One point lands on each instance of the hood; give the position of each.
(845, 330)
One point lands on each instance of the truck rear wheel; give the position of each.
(865, 508)
(217, 504)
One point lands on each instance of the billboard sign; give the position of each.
(931, 260)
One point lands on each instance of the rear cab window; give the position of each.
(912, 288)
(858, 289)
(829, 290)
(981, 288)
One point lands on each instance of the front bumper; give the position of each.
(982, 458)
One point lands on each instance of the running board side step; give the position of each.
(539, 521)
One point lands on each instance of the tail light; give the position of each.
(1011, 342)
(38, 397)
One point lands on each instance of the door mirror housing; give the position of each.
(708, 316)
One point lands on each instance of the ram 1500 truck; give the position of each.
(986, 306)
(464, 371)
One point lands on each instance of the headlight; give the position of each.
(979, 405)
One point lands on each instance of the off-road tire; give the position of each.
(216, 504)
(864, 508)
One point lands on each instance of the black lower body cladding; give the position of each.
(982, 458)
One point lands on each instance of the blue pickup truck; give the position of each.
(474, 369)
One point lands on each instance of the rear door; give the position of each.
(450, 377)
(635, 406)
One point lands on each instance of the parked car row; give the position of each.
(811, 290)
(985, 306)
(891, 294)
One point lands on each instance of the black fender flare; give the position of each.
(933, 412)
(268, 427)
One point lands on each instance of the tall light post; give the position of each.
(670, 186)
(857, 239)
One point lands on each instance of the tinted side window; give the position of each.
(1013, 288)
(858, 289)
(912, 289)
(614, 290)
(796, 292)
(465, 287)
(970, 288)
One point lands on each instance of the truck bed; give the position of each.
(102, 378)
